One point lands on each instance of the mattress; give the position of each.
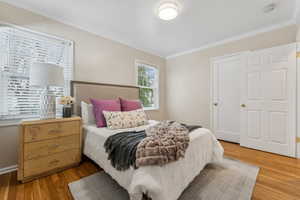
(157, 182)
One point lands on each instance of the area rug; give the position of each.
(230, 180)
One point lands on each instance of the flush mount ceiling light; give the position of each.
(168, 11)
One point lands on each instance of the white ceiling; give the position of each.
(133, 22)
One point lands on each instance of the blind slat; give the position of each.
(18, 50)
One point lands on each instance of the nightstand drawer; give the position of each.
(51, 130)
(40, 165)
(47, 147)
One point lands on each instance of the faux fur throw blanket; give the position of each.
(158, 145)
(166, 142)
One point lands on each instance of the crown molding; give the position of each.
(236, 38)
(293, 21)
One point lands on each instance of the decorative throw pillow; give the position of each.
(100, 105)
(87, 113)
(129, 105)
(130, 119)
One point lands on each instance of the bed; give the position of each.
(156, 182)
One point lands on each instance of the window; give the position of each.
(19, 48)
(148, 82)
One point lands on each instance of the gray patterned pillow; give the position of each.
(130, 119)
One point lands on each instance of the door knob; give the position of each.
(243, 105)
(215, 104)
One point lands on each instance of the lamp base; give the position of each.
(47, 105)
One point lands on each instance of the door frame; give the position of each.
(211, 101)
(298, 102)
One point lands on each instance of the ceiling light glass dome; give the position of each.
(168, 11)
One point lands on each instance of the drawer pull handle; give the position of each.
(53, 162)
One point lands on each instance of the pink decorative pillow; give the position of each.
(104, 105)
(129, 105)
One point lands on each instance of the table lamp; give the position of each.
(44, 75)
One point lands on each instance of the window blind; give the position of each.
(19, 49)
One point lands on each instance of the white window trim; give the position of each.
(16, 122)
(52, 36)
(154, 66)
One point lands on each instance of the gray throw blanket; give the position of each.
(122, 147)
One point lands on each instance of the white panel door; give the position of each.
(269, 100)
(227, 73)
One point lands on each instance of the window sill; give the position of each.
(7, 123)
(16, 122)
(151, 109)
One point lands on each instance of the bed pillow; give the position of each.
(87, 113)
(100, 105)
(129, 105)
(127, 119)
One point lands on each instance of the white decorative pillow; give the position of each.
(130, 119)
(87, 113)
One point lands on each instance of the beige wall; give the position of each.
(298, 33)
(96, 59)
(188, 76)
(8, 146)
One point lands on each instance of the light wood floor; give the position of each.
(279, 178)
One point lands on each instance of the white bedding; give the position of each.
(159, 183)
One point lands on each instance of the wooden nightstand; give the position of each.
(48, 146)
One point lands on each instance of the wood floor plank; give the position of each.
(45, 192)
(28, 194)
(71, 175)
(279, 185)
(278, 178)
(37, 192)
(20, 192)
(52, 188)
(4, 185)
(64, 186)
(264, 192)
(60, 184)
(12, 192)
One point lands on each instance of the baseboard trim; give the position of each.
(228, 137)
(6, 170)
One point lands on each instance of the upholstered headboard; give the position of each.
(83, 91)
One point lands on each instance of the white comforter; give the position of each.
(159, 183)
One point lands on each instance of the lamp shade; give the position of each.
(45, 74)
